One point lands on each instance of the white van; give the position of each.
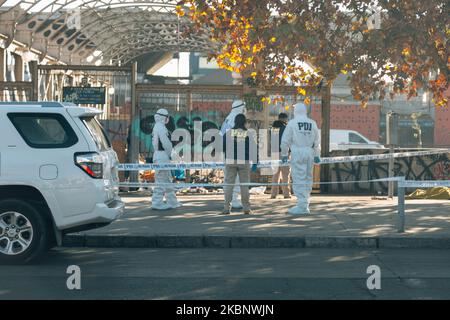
(58, 174)
(349, 139)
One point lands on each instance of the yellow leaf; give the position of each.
(344, 71)
(286, 108)
(301, 91)
(179, 10)
(307, 100)
(273, 39)
(406, 52)
(253, 74)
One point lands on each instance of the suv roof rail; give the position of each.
(43, 104)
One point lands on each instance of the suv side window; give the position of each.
(355, 138)
(97, 133)
(44, 130)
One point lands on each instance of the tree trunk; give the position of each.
(325, 136)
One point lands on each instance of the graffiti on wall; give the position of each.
(118, 130)
(441, 170)
(432, 167)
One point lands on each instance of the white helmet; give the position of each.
(162, 115)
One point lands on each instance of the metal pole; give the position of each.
(401, 206)
(133, 153)
(391, 173)
(391, 140)
(187, 172)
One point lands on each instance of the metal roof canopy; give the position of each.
(98, 32)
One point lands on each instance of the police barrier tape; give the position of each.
(274, 163)
(248, 184)
(423, 184)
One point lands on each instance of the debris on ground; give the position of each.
(438, 193)
(258, 190)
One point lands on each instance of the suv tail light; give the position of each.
(91, 163)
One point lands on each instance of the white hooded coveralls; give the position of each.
(301, 136)
(163, 149)
(237, 107)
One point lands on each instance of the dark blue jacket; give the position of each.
(244, 146)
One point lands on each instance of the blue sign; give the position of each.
(84, 95)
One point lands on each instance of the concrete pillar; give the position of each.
(48, 86)
(35, 80)
(18, 67)
(2, 64)
(18, 74)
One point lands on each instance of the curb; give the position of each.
(219, 241)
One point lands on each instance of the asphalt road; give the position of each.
(231, 274)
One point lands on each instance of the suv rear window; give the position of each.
(97, 132)
(44, 130)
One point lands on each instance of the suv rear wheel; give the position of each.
(24, 233)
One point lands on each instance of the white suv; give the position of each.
(58, 174)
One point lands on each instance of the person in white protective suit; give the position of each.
(237, 107)
(163, 150)
(301, 136)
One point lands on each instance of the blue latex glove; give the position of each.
(254, 167)
(284, 159)
(316, 160)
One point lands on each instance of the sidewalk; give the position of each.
(335, 221)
